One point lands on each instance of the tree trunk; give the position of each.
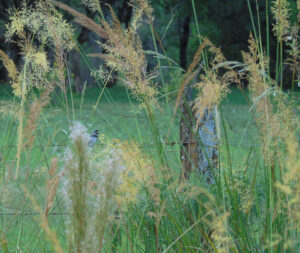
(184, 40)
(75, 57)
(125, 13)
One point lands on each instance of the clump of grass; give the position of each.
(277, 126)
(75, 187)
(125, 54)
(45, 24)
(96, 184)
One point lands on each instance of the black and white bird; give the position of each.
(93, 138)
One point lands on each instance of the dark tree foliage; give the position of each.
(9, 48)
(227, 23)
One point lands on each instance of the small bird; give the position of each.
(93, 138)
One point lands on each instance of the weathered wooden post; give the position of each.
(189, 154)
(198, 145)
(207, 146)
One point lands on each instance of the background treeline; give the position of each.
(227, 23)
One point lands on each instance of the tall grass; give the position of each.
(118, 198)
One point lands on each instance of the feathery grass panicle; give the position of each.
(274, 116)
(293, 60)
(140, 7)
(52, 185)
(8, 108)
(211, 91)
(125, 54)
(108, 173)
(220, 235)
(75, 186)
(139, 172)
(190, 74)
(45, 24)
(93, 5)
(293, 43)
(283, 30)
(124, 163)
(101, 73)
(38, 21)
(212, 87)
(13, 73)
(280, 10)
(78, 133)
(94, 183)
(37, 68)
(245, 193)
(277, 125)
(105, 180)
(36, 108)
(10, 66)
(89, 189)
(256, 68)
(83, 20)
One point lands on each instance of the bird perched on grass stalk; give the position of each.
(93, 138)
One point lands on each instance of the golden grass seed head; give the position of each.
(44, 22)
(280, 10)
(93, 5)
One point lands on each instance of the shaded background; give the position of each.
(226, 22)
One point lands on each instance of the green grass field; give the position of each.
(117, 116)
